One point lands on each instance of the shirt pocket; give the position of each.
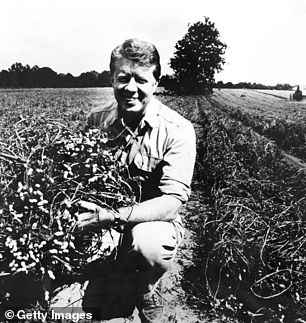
(146, 163)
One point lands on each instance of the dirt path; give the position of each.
(177, 310)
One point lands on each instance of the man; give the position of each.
(158, 146)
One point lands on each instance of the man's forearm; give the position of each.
(162, 208)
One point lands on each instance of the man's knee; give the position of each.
(156, 242)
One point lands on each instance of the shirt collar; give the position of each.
(150, 118)
(152, 112)
(111, 118)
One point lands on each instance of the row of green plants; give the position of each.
(250, 232)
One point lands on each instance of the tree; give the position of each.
(105, 79)
(198, 55)
(19, 76)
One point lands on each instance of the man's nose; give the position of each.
(132, 85)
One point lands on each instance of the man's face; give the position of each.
(134, 86)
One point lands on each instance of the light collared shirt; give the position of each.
(160, 153)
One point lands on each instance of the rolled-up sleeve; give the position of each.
(178, 161)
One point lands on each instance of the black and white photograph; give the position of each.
(153, 161)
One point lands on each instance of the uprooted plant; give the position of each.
(45, 169)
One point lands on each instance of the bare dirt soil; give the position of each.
(177, 309)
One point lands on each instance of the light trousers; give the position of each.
(146, 252)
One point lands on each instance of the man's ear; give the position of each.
(112, 79)
(156, 85)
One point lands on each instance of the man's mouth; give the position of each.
(131, 100)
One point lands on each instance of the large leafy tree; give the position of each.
(198, 56)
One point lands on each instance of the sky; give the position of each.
(266, 39)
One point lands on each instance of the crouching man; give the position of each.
(158, 145)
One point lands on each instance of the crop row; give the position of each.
(251, 229)
(277, 119)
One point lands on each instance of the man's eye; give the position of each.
(123, 79)
(141, 81)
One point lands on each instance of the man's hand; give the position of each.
(95, 216)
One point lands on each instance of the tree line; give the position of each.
(19, 76)
(197, 57)
(256, 86)
(170, 82)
